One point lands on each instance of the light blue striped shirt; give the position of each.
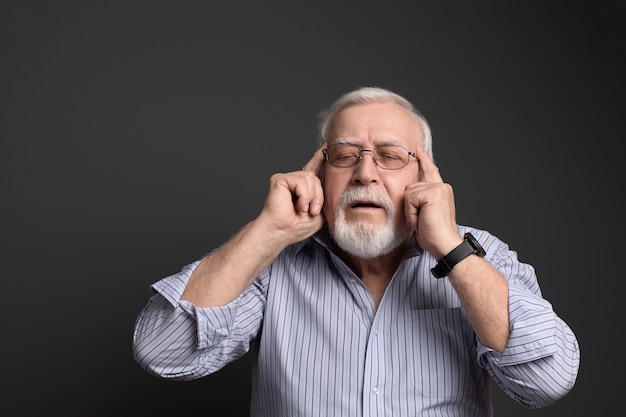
(324, 349)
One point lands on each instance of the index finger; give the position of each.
(315, 163)
(428, 171)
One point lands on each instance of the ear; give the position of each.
(320, 174)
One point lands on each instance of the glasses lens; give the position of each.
(391, 156)
(343, 155)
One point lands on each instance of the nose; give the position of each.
(366, 170)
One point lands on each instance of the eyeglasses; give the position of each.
(345, 155)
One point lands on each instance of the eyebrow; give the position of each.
(352, 141)
(344, 141)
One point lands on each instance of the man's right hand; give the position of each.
(291, 213)
(294, 201)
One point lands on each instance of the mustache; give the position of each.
(371, 194)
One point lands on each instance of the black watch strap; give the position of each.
(469, 246)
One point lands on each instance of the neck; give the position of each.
(381, 266)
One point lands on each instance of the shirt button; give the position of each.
(375, 390)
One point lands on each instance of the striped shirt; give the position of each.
(324, 349)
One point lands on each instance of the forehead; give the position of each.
(376, 122)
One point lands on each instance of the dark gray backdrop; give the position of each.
(136, 136)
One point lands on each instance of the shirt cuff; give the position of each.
(533, 331)
(172, 287)
(214, 324)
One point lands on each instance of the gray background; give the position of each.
(136, 136)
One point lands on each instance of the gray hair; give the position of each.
(368, 95)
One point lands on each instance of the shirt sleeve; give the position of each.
(174, 339)
(540, 362)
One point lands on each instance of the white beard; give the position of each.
(359, 238)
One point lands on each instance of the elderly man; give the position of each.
(360, 293)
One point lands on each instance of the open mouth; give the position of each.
(365, 204)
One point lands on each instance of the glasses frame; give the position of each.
(360, 156)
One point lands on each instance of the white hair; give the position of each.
(368, 95)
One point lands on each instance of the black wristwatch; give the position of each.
(469, 246)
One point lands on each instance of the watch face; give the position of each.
(478, 250)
